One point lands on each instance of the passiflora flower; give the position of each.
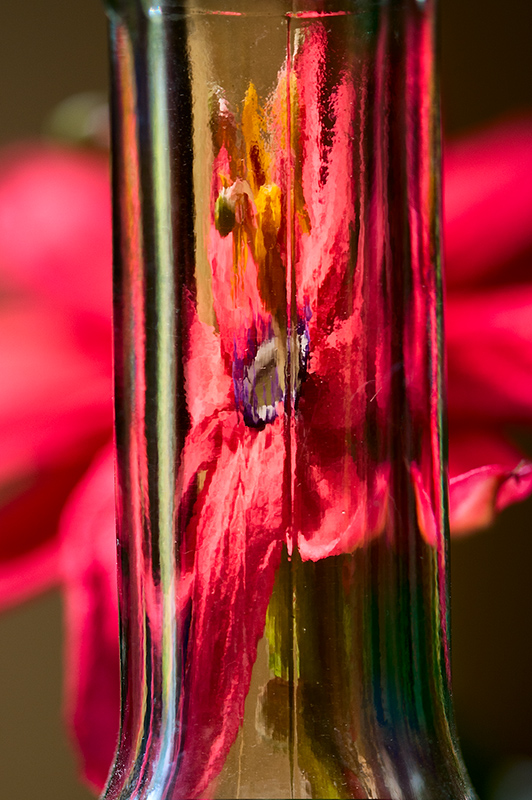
(55, 409)
(241, 379)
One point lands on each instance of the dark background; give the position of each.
(50, 49)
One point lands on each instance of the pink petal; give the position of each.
(55, 226)
(488, 202)
(92, 699)
(477, 496)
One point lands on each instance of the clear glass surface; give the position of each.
(281, 484)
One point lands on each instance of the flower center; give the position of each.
(260, 379)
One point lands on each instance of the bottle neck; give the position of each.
(278, 405)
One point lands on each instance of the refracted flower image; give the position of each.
(271, 387)
(280, 369)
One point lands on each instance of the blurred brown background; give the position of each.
(50, 49)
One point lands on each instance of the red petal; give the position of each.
(208, 386)
(335, 394)
(237, 308)
(237, 536)
(55, 411)
(55, 405)
(477, 496)
(489, 340)
(339, 504)
(324, 253)
(473, 447)
(488, 202)
(25, 577)
(478, 492)
(348, 516)
(54, 391)
(92, 701)
(424, 508)
(55, 226)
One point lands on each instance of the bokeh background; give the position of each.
(51, 49)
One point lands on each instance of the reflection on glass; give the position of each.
(277, 333)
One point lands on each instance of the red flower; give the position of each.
(55, 412)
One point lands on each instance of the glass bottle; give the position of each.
(281, 482)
